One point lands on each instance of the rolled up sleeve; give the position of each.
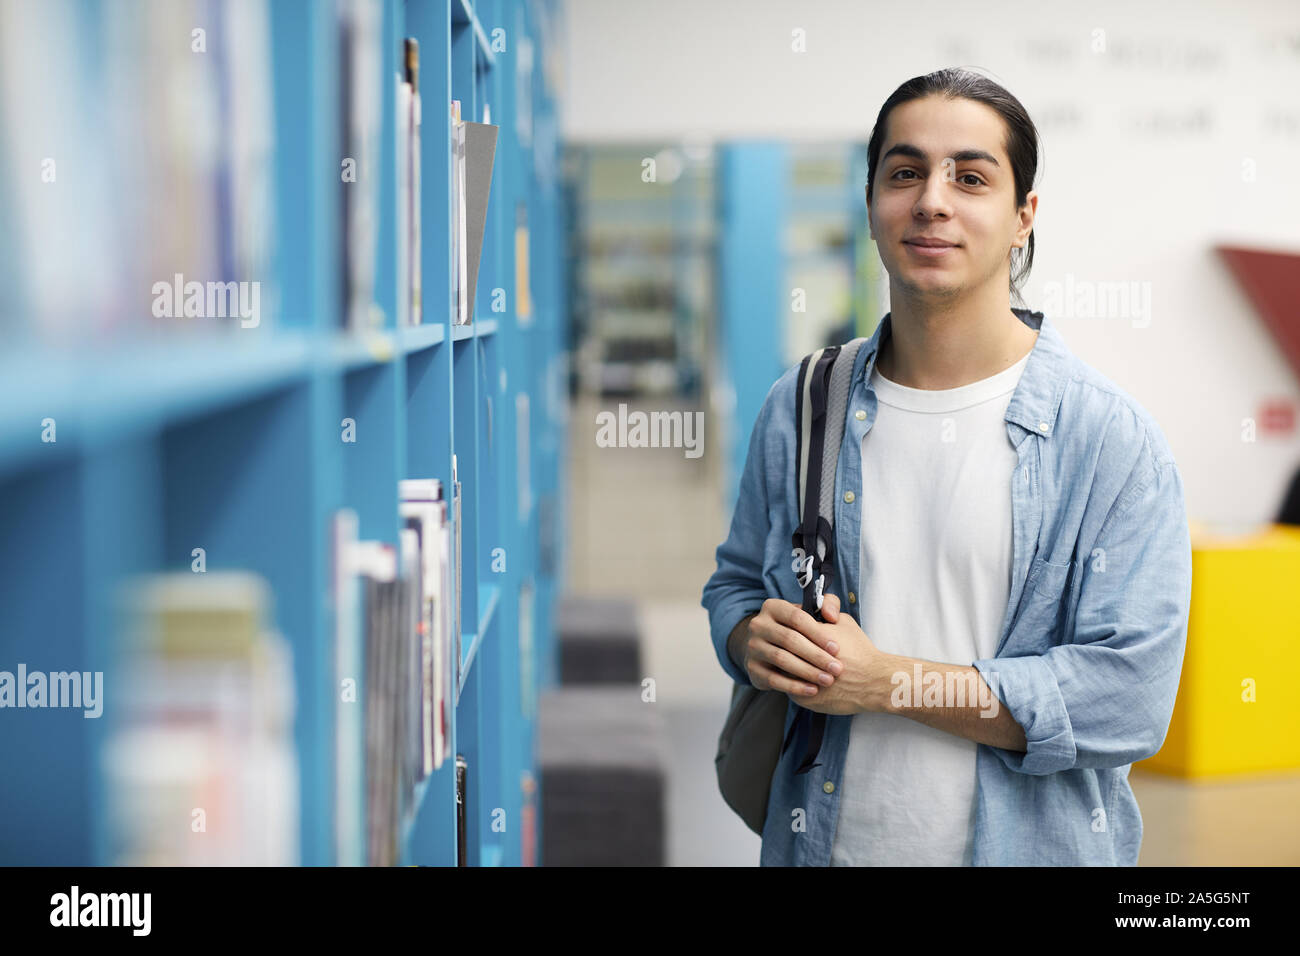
(736, 588)
(1105, 697)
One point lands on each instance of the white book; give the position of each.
(412, 742)
(403, 202)
(420, 489)
(417, 310)
(450, 664)
(429, 518)
(462, 264)
(457, 530)
(459, 266)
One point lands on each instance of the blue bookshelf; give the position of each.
(228, 439)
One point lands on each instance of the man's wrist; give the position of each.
(737, 640)
(880, 688)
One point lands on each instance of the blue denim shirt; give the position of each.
(1092, 642)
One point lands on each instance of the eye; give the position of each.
(978, 180)
(897, 174)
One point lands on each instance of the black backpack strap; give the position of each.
(821, 403)
(814, 537)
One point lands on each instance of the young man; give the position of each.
(1008, 606)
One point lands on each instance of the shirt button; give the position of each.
(1042, 426)
(828, 787)
(853, 598)
(860, 415)
(848, 496)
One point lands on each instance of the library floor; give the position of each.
(645, 523)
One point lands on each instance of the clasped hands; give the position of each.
(831, 667)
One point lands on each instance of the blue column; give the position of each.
(752, 293)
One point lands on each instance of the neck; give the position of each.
(941, 345)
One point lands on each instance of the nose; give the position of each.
(933, 202)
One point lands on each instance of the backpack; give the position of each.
(754, 737)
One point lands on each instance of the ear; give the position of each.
(1026, 226)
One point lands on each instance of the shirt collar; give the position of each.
(1037, 397)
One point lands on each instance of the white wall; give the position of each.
(1148, 147)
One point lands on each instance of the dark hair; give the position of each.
(1021, 140)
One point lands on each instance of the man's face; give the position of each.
(944, 174)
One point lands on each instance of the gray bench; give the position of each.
(599, 640)
(603, 758)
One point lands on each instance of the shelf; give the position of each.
(359, 349)
(101, 392)
(462, 14)
(417, 337)
(417, 801)
(488, 596)
(459, 333)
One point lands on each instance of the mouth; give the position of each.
(929, 248)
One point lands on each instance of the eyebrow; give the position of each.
(961, 156)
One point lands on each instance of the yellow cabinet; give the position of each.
(1238, 706)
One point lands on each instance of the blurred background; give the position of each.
(297, 670)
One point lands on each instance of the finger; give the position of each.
(791, 663)
(795, 617)
(830, 608)
(797, 645)
(775, 680)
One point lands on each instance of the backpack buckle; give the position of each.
(805, 573)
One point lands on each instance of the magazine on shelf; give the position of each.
(480, 151)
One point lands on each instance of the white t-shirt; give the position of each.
(936, 578)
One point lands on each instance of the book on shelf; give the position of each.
(458, 531)
(410, 716)
(403, 125)
(349, 725)
(462, 831)
(359, 132)
(202, 733)
(528, 819)
(523, 467)
(424, 512)
(463, 308)
(390, 581)
(422, 499)
(523, 298)
(378, 582)
(411, 59)
(423, 667)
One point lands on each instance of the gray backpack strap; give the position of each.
(837, 406)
